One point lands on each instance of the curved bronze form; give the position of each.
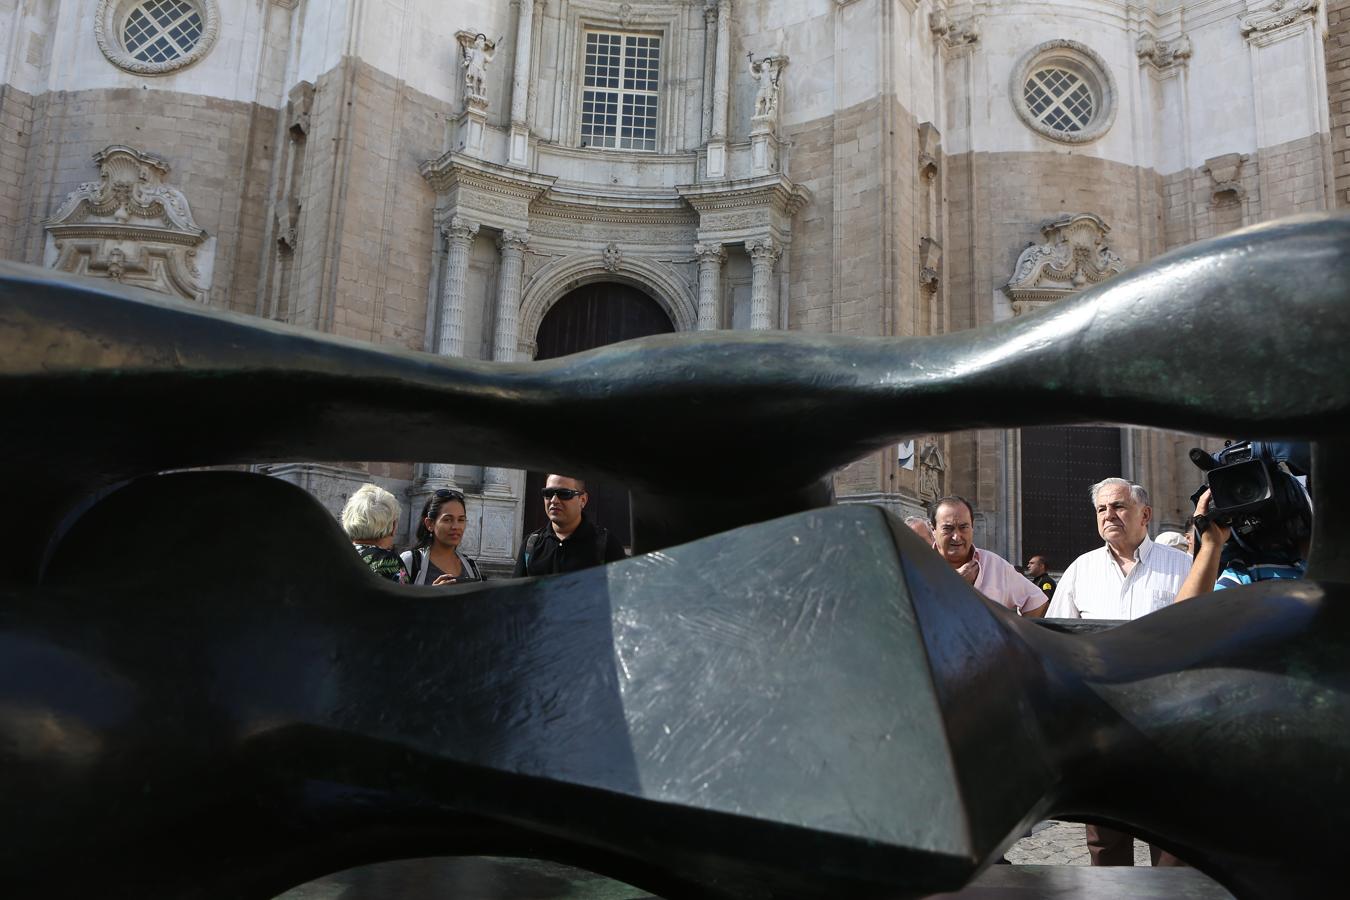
(121, 384)
(813, 706)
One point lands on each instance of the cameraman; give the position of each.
(1276, 540)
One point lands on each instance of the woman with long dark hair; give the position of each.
(436, 559)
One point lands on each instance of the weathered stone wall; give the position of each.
(1338, 94)
(1275, 181)
(219, 153)
(365, 244)
(16, 129)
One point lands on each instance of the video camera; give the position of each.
(1254, 490)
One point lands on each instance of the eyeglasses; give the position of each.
(561, 493)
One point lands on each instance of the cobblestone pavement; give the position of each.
(1060, 844)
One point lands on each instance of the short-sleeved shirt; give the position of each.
(1093, 587)
(581, 550)
(384, 563)
(1238, 574)
(1000, 581)
(1046, 584)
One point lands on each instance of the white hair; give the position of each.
(371, 514)
(1137, 491)
(916, 520)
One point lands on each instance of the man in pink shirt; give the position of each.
(989, 573)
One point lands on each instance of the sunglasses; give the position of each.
(446, 494)
(561, 493)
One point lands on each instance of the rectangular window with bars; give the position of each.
(620, 90)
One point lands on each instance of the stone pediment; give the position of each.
(129, 226)
(1073, 256)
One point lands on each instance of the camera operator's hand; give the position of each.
(1215, 533)
(1208, 559)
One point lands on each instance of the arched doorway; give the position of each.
(592, 316)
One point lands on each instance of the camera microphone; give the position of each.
(1203, 460)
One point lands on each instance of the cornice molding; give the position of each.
(771, 190)
(453, 169)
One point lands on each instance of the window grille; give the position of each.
(158, 31)
(620, 90)
(1059, 99)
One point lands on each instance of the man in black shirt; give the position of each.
(569, 542)
(1039, 573)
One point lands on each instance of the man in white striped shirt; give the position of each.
(1128, 577)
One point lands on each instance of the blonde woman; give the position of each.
(370, 519)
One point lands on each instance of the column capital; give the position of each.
(724, 7)
(710, 14)
(457, 229)
(513, 240)
(709, 253)
(763, 248)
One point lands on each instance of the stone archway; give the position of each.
(589, 316)
(659, 282)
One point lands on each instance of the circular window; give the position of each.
(1064, 91)
(153, 37)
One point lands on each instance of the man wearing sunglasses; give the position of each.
(569, 542)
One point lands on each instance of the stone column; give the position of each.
(458, 235)
(520, 85)
(507, 333)
(763, 253)
(710, 259)
(717, 142)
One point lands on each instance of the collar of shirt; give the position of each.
(1141, 553)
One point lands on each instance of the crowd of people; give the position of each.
(569, 541)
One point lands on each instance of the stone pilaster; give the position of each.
(507, 333)
(763, 254)
(520, 85)
(709, 67)
(710, 260)
(717, 142)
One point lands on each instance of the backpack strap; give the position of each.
(473, 568)
(532, 544)
(412, 561)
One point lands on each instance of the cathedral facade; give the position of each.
(514, 180)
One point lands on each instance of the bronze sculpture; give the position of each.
(266, 725)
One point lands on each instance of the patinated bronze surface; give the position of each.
(203, 693)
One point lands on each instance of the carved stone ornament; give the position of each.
(930, 264)
(130, 226)
(1225, 170)
(299, 103)
(930, 146)
(1073, 256)
(475, 55)
(288, 224)
(1277, 15)
(766, 72)
(613, 257)
(953, 34)
(1163, 54)
(932, 466)
(110, 18)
